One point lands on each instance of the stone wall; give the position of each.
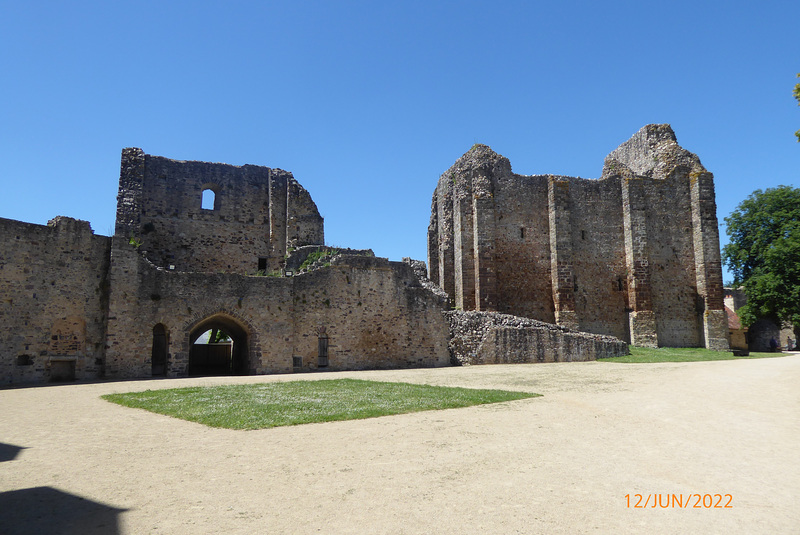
(493, 338)
(372, 313)
(256, 215)
(634, 254)
(681, 233)
(53, 296)
(375, 313)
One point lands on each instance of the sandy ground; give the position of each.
(562, 463)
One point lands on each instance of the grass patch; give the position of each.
(259, 406)
(680, 354)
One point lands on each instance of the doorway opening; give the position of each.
(159, 355)
(218, 346)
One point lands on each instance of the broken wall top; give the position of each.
(256, 215)
(652, 152)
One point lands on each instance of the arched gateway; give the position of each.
(219, 345)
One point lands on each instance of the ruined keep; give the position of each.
(634, 254)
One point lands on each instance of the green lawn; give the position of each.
(681, 354)
(258, 406)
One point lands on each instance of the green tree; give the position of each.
(764, 254)
(796, 94)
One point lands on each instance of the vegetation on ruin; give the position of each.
(319, 254)
(264, 405)
(264, 273)
(764, 254)
(680, 354)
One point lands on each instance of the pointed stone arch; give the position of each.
(244, 356)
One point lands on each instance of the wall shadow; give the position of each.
(41, 510)
(9, 452)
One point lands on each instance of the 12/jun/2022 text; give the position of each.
(679, 501)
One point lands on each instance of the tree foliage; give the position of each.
(764, 254)
(218, 336)
(796, 93)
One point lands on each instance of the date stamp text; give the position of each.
(679, 501)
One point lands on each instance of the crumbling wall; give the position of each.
(53, 296)
(191, 267)
(672, 242)
(373, 313)
(256, 215)
(144, 295)
(493, 338)
(634, 254)
(310, 257)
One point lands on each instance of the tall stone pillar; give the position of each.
(642, 319)
(463, 250)
(708, 266)
(561, 270)
(444, 210)
(483, 234)
(278, 184)
(433, 243)
(129, 197)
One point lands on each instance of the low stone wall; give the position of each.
(493, 338)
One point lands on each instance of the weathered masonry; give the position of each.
(181, 265)
(212, 217)
(634, 254)
(53, 300)
(217, 269)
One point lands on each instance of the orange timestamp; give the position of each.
(679, 501)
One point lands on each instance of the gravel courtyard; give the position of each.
(562, 463)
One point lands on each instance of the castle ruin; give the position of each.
(633, 255)
(527, 262)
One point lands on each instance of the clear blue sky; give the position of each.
(368, 102)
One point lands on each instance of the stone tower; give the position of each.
(634, 254)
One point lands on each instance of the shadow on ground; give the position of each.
(42, 510)
(9, 452)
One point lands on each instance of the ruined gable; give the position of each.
(251, 215)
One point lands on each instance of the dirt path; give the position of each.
(562, 463)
